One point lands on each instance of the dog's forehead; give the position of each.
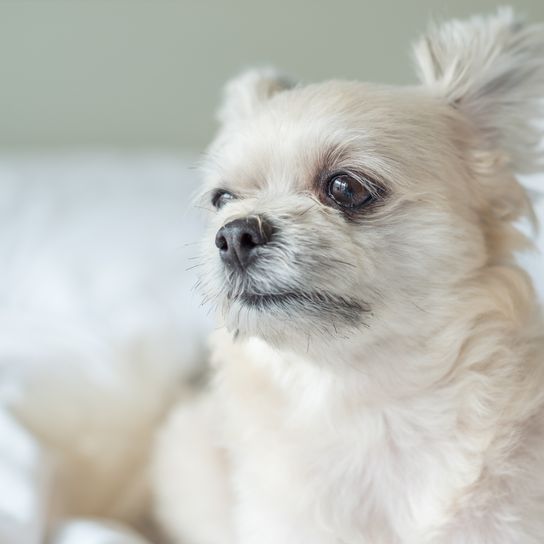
(279, 151)
(304, 131)
(275, 148)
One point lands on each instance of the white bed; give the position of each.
(99, 328)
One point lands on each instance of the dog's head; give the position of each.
(345, 208)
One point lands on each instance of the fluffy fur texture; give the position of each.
(380, 375)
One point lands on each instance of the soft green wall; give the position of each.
(147, 73)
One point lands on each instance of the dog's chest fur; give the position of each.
(303, 446)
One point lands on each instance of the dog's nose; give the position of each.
(238, 240)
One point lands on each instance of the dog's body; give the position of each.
(380, 377)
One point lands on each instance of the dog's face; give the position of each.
(346, 210)
(338, 205)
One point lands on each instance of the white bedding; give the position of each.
(99, 326)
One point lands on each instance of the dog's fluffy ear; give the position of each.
(245, 94)
(492, 69)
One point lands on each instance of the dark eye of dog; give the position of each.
(221, 197)
(348, 192)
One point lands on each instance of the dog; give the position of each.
(378, 376)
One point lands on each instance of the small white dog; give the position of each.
(380, 375)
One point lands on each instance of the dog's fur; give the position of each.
(384, 381)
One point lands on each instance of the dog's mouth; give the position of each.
(312, 304)
(263, 300)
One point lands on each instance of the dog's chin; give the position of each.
(291, 318)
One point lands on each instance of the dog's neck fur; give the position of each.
(400, 412)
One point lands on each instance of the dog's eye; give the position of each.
(348, 192)
(221, 197)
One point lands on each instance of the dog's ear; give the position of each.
(245, 94)
(492, 69)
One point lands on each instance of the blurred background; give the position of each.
(146, 74)
(105, 107)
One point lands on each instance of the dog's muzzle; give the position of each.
(239, 241)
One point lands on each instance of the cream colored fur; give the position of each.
(421, 422)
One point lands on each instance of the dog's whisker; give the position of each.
(198, 265)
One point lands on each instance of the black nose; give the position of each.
(238, 240)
